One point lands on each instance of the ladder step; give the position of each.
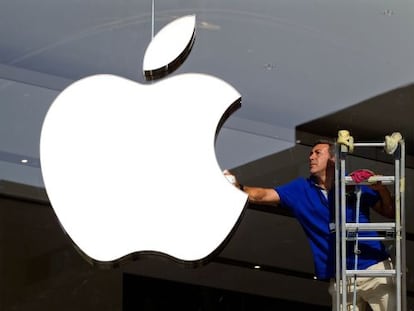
(374, 273)
(370, 144)
(371, 238)
(372, 226)
(386, 180)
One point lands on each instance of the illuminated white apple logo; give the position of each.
(131, 168)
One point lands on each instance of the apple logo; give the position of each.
(131, 169)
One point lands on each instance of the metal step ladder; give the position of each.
(393, 146)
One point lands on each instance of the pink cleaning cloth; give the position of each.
(361, 175)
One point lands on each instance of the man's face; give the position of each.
(319, 159)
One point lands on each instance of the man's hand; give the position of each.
(386, 204)
(231, 178)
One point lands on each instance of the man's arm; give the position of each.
(257, 195)
(386, 205)
(260, 195)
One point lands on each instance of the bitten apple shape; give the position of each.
(131, 167)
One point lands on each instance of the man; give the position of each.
(311, 200)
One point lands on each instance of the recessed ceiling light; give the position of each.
(269, 66)
(388, 12)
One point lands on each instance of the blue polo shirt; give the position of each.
(315, 212)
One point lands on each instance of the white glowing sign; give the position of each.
(130, 167)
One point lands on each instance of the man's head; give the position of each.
(321, 158)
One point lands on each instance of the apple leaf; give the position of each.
(169, 47)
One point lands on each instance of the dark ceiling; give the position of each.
(372, 119)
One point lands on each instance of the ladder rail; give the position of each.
(398, 232)
(343, 230)
(338, 229)
(402, 215)
(400, 225)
